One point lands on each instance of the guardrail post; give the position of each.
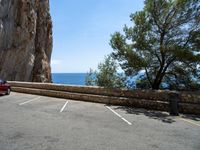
(173, 104)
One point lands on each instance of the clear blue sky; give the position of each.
(82, 30)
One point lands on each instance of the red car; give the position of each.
(4, 87)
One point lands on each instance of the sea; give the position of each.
(69, 78)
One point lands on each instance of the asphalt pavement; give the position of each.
(32, 122)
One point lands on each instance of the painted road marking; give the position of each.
(189, 121)
(34, 99)
(119, 115)
(62, 109)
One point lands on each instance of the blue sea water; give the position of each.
(69, 78)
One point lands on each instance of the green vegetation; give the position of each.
(164, 42)
(106, 75)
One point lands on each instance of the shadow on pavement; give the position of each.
(192, 117)
(158, 115)
(3, 95)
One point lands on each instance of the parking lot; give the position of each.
(32, 122)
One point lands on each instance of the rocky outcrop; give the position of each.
(25, 40)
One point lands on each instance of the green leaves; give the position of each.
(164, 34)
(106, 75)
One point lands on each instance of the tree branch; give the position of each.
(157, 56)
(165, 68)
(148, 76)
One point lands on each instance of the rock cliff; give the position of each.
(25, 40)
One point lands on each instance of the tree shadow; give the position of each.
(191, 117)
(152, 114)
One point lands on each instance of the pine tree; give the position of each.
(164, 42)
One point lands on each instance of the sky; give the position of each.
(82, 30)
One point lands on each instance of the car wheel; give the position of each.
(8, 92)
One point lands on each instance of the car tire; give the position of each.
(8, 92)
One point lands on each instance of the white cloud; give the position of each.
(55, 62)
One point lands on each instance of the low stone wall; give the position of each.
(141, 94)
(142, 103)
(188, 102)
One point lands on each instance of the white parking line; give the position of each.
(119, 115)
(62, 109)
(34, 99)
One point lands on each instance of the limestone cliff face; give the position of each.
(25, 40)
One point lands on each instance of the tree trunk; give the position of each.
(156, 86)
(157, 82)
